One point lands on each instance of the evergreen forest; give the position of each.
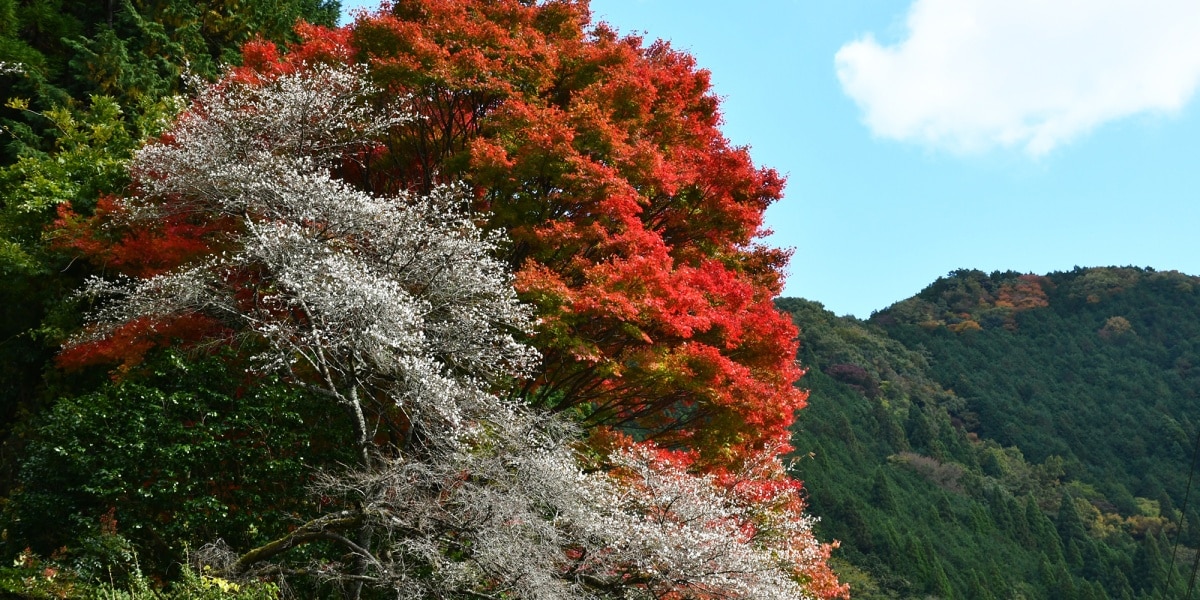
(1008, 435)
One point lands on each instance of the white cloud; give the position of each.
(976, 74)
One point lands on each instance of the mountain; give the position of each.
(1007, 435)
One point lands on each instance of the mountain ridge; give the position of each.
(1068, 397)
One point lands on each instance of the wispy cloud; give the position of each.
(977, 74)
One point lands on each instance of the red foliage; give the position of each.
(633, 219)
(317, 45)
(139, 252)
(134, 251)
(128, 344)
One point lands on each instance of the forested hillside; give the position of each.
(1008, 435)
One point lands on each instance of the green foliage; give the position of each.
(88, 160)
(913, 525)
(131, 50)
(60, 151)
(189, 453)
(82, 83)
(35, 578)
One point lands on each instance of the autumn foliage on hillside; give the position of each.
(968, 300)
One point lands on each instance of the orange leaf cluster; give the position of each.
(128, 344)
(1023, 294)
(134, 251)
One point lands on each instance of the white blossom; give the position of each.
(399, 295)
(12, 68)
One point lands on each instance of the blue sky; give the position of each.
(924, 136)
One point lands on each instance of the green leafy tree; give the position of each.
(81, 85)
(186, 454)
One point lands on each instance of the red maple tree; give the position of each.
(633, 220)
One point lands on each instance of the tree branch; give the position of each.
(316, 529)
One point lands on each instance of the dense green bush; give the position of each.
(186, 453)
